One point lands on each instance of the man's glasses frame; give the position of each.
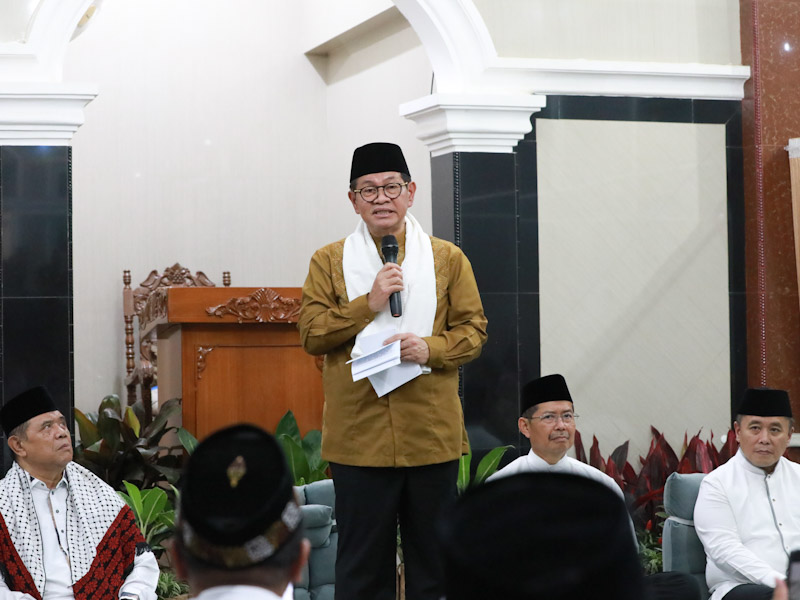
(390, 190)
(552, 418)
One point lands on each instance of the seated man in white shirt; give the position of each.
(548, 421)
(747, 513)
(64, 533)
(239, 530)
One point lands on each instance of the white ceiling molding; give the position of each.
(472, 122)
(465, 63)
(618, 78)
(42, 114)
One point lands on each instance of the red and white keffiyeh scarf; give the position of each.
(102, 535)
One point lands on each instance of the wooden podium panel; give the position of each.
(235, 355)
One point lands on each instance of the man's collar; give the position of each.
(401, 238)
(539, 458)
(38, 483)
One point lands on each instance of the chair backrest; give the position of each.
(683, 551)
(143, 374)
(318, 505)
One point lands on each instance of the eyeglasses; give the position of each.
(552, 418)
(391, 190)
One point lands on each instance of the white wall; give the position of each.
(216, 143)
(634, 276)
(702, 31)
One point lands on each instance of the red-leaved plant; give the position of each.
(644, 491)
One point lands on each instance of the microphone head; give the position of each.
(389, 248)
(389, 241)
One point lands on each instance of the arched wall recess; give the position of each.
(36, 106)
(484, 102)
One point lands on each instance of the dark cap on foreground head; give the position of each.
(31, 403)
(377, 157)
(544, 389)
(765, 402)
(540, 535)
(237, 504)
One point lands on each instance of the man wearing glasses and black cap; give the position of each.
(548, 421)
(393, 457)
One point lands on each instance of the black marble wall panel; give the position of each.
(488, 204)
(36, 275)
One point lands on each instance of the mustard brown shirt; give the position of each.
(421, 422)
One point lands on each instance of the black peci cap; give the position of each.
(544, 389)
(377, 157)
(237, 504)
(765, 402)
(30, 403)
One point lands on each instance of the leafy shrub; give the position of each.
(154, 514)
(115, 447)
(303, 454)
(486, 467)
(169, 586)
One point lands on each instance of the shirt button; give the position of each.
(56, 510)
(366, 320)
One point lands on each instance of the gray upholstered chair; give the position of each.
(683, 551)
(318, 505)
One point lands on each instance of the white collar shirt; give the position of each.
(51, 513)
(748, 522)
(533, 463)
(243, 592)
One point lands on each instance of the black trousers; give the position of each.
(370, 501)
(750, 591)
(671, 586)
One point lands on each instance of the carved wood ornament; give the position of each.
(264, 305)
(202, 352)
(148, 302)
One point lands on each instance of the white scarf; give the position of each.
(92, 506)
(361, 263)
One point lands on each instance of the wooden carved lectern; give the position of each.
(234, 355)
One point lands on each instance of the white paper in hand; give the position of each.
(382, 363)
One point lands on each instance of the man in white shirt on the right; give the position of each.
(748, 510)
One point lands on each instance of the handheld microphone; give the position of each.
(390, 249)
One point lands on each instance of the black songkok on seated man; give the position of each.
(550, 388)
(237, 506)
(540, 535)
(765, 402)
(25, 406)
(378, 157)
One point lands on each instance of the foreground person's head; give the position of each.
(238, 521)
(540, 536)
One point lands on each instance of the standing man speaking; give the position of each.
(393, 457)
